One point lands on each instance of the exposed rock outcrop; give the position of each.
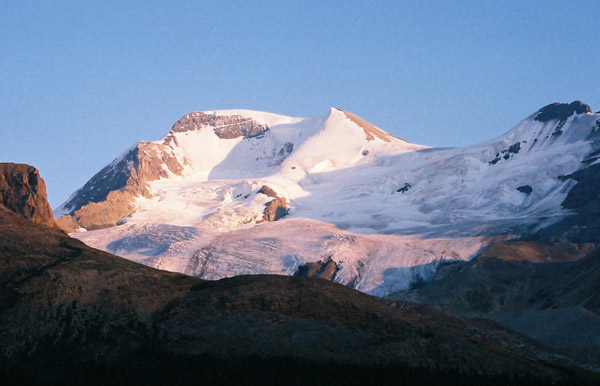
(23, 192)
(506, 153)
(224, 126)
(561, 111)
(108, 213)
(322, 269)
(583, 199)
(586, 191)
(527, 189)
(371, 131)
(275, 209)
(404, 188)
(108, 196)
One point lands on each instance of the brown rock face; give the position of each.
(98, 215)
(370, 130)
(276, 208)
(225, 126)
(108, 196)
(322, 269)
(23, 191)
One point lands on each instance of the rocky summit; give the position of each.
(562, 111)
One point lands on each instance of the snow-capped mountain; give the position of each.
(384, 210)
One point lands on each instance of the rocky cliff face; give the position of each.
(225, 127)
(108, 196)
(276, 208)
(23, 191)
(322, 269)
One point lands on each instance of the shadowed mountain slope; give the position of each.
(548, 291)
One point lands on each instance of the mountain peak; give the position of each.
(561, 111)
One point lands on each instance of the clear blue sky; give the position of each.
(81, 81)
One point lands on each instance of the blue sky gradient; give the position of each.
(81, 82)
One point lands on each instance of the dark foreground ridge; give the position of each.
(150, 369)
(70, 314)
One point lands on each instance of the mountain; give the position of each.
(386, 212)
(228, 145)
(71, 314)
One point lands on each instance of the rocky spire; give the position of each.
(23, 191)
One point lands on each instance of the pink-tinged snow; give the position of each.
(386, 212)
(376, 264)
